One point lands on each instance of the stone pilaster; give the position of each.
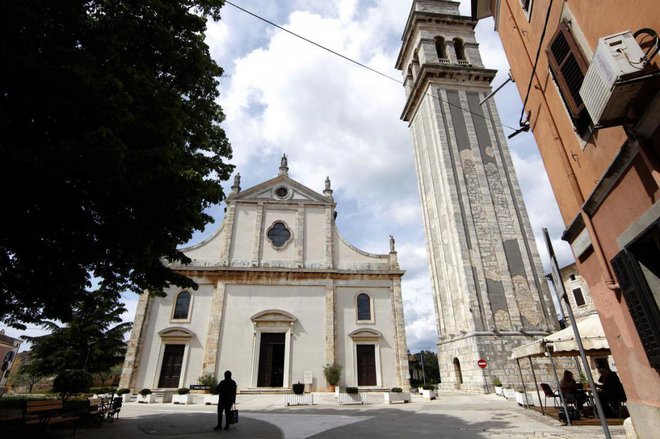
(213, 333)
(401, 348)
(258, 236)
(330, 324)
(225, 252)
(135, 343)
(299, 239)
(329, 244)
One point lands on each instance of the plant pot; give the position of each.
(394, 397)
(429, 394)
(211, 399)
(182, 399)
(146, 399)
(352, 398)
(499, 390)
(509, 393)
(331, 388)
(304, 399)
(128, 397)
(298, 388)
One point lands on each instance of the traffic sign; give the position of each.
(482, 363)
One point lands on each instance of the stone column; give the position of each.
(225, 252)
(299, 240)
(213, 333)
(330, 353)
(135, 343)
(258, 236)
(329, 245)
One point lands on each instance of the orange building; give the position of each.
(593, 105)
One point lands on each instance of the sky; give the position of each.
(334, 118)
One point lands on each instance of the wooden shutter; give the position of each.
(568, 66)
(641, 304)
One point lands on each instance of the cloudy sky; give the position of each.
(334, 118)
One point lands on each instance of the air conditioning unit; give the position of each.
(609, 86)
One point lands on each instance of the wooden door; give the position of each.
(366, 365)
(271, 360)
(170, 371)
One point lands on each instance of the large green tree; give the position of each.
(110, 147)
(92, 341)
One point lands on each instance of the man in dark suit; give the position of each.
(227, 398)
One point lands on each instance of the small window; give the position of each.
(182, 306)
(579, 297)
(440, 47)
(571, 277)
(364, 307)
(459, 47)
(278, 234)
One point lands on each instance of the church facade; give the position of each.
(280, 295)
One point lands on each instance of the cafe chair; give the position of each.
(549, 393)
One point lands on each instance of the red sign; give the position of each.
(482, 363)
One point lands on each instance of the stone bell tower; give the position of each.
(488, 285)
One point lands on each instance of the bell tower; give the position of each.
(489, 289)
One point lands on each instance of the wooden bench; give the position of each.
(46, 413)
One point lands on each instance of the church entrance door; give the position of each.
(271, 360)
(366, 364)
(170, 371)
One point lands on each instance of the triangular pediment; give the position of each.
(280, 189)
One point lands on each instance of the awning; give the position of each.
(563, 343)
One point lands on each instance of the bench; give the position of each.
(46, 413)
(112, 408)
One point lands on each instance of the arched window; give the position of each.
(459, 47)
(440, 47)
(182, 306)
(363, 307)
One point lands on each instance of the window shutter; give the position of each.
(641, 304)
(568, 66)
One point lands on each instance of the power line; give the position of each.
(398, 81)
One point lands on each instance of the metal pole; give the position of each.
(523, 384)
(531, 366)
(576, 333)
(587, 369)
(561, 395)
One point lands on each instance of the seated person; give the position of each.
(571, 390)
(610, 391)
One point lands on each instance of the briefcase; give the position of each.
(233, 415)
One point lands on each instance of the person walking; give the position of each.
(227, 398)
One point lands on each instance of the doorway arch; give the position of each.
(458, 375)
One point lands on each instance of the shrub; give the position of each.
(183, 390)
(71, 381)
(145, 392)
(98, 390)
(208, 379)
(298, 388)
(332, 373)
(428, 387)
(352, 390)
(497, 382)
(122, 391)
(396, 390)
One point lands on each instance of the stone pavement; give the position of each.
(452, 415)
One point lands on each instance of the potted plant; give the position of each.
(332, 373)
(429, 392)
(125, 394)
(509, 393)
(145, 396)
(498, 386)
(183, 396)
(352, 395)
(209, 381)
(524, 399)
(212, 398)
(298, 388)
(396, 394)
(299, 397)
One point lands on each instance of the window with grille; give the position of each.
(568, 66)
